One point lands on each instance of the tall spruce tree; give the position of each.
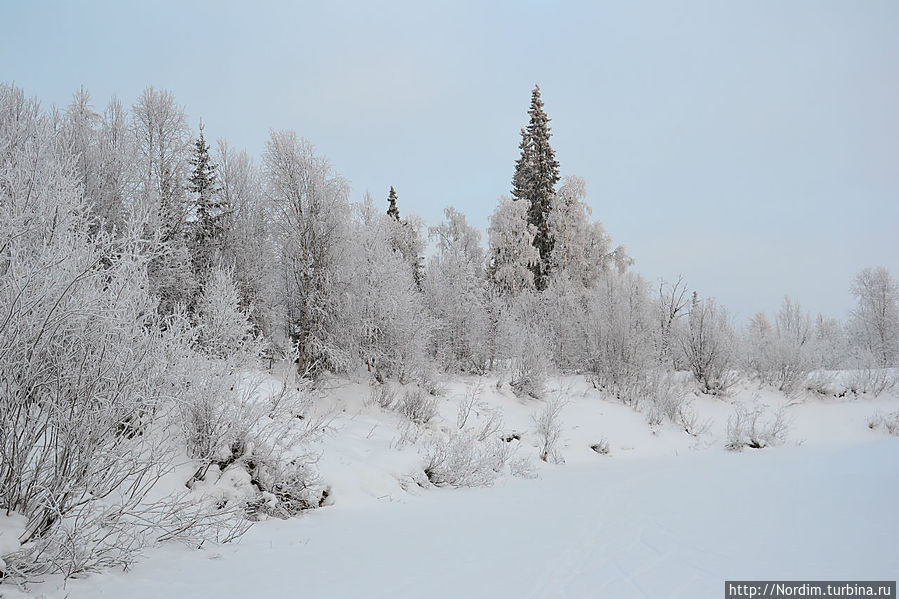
(208, 208)
(534, 181)
(392, 211)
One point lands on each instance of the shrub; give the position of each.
(549, 430)
(886, 422)
(463, 461)
(755, 428)
(709, 346)
(418, 406)
(381, 395)
(872, 381)
(602, 448)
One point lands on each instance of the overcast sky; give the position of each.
(751, 146)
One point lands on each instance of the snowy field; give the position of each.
(663, 514)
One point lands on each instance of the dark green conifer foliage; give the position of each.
(534, 181)
(392, 210)
(209, 210)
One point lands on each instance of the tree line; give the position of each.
(141, 267)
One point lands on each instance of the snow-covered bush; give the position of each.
(664, 396)
(464, 461)
(418, 406)
(619, 332)
(470, 402)
(485, 421)
(709, 346)
(822, 382)
(101, 534)
(548, 424)
(756, 427)
(224, 327)
(602, 447)
(886, 422)
(530, 360)
(866, 379)
(381, 395)
(782, 355)
(250, 447)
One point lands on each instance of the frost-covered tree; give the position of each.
(566, 325)
(79, 373)
(311, 213)
(171, 273)
(709, 345)
(781, 355)
(534, 182)
(80, 131)
(530, 356)
(207, 209)
(671, 307)
(874, 323)
(117, 171)
(405, 237)
(224, 327)
(574, 240)
(249, 244)
(831, 346)
(393, 325)
(162, 139)
(454, 285)
(512, 254)
(619, 328)
(161, 135)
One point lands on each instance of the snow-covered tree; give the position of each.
(405, 236)
(831, 346)
(874, 323)
(534, 182)
(389, 309)
(249, 245)
(512, 252)
(224, 327)
(79, 340)
(566, 325)
(311, 213)
(207, 209)
(709, 345)
(161, 135)
(117, 171)
(619, 328)
(671, 307)
(454, 285)
(781, 355)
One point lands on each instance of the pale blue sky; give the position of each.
(752, 146)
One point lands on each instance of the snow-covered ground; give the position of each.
(664, 514)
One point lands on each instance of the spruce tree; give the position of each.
(392, 211)
(534, 181)
(208, 208)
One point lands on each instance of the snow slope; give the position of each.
(665, 515)
(664, 527)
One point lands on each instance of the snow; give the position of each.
(664, 515)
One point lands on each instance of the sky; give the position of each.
(750, 146)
